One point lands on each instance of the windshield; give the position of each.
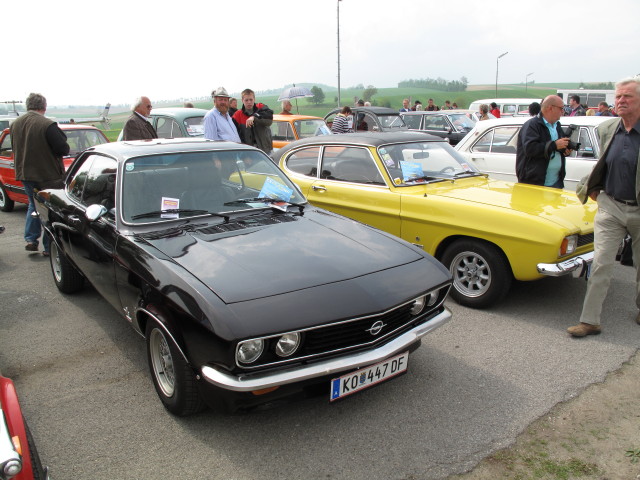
(421, 162)
(80, 140)
(311, 128)
(391, 121)
(462, 122)
(194, 126)
(179, 185)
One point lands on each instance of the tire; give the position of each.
(36, 465)
(6, 204)
(173, 378)
(67, 278)
(481, 273)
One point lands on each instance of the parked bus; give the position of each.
(588, 98)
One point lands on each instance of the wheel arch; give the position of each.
(447, 242)
(164, 320)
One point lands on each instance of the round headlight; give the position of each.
(432, 299)
(288, 344)
(418, 305)
(249, 351)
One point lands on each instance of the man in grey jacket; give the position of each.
(614, 184)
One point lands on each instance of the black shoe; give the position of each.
(1, 228)
(31, 247)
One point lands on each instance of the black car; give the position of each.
(371, 119)
(445, 124)
(244, 292)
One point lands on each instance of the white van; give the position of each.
(509, 107)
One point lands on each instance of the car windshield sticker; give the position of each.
(130, 166)
(410, 170)
(275, 190)
(195, 130)
(466, 167)
(386, 158)
(169, 203)
(323, 130)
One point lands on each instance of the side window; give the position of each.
(412, 121)
(435, 122)
(100, 186)
(79, 177)
(509, 109)
(281, 131)
(586, 149)
(365, 122)
(304, 161)
(350, 164)
(504, 140)
(167, 128)
(483, 144)
(6, 150)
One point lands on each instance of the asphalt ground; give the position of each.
(82, 377)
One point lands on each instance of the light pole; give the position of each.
(497, 59)
(339, 102)
(526, 80)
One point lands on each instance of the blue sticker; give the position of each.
(411, 170)
(275, 190)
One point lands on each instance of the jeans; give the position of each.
(33, 227)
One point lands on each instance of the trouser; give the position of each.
(32, 226)
(611, 224)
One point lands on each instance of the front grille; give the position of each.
(585, 239)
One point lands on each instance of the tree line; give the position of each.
(436, 84)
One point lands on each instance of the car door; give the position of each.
(92, 242)
(351, 184)
(494, 152)
(12, 188)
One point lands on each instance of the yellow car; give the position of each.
(287, 128)
(417, 187)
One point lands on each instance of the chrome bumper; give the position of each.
(260, 381)
(579, 266)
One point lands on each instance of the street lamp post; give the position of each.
(526, 80)
(339, 102)
(497, 59)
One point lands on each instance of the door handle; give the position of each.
(318, 188)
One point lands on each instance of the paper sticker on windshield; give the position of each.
(169, 203)
(411, 170)
(129, 167)
(275, 190)
(386, 158)
(323, 130)
(466, 167)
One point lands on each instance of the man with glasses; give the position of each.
(137, 126)
(542, 147)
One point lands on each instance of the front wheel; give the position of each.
(6, 204)
(173, 378)
(481, 273)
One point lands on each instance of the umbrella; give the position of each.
(295, 93)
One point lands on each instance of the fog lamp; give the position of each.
(249, 350)
(288, 344)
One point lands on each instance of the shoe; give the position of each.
(45, 254)
(583, 329)
(31, 247)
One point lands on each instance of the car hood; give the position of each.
(262, 257)
(558, 206)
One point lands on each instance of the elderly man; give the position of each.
(218, 124)
(542, 147)
(38, 146)
(286, 108)
(137, 126)
(615, 185)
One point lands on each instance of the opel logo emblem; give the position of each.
(376, 328)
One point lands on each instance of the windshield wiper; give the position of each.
(425, 178)
(268, 200)
(156, 213)
(469, 174)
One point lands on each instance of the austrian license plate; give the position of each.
(366, 377)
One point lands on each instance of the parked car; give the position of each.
(19, 459)
(509, 107)
(287, 128)
(79, 137)
(416, 186)
(491, 147)
(452, 125)
(177, 122)
(244, 292)
(372, 119)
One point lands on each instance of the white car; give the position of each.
(491, 147)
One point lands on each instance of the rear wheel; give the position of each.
(481, 273)
(67, 278)
(173, 378)
(6, 204)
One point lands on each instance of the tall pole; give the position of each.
(497, 59)
(339, 100)
(526, 80)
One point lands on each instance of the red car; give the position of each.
(19, 458)
(79, 137)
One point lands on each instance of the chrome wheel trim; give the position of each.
(3, 198)
(162, 362)
(471, 274)
(56, 264)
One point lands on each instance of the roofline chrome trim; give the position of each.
(332, 366)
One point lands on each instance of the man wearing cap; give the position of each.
(218, 124)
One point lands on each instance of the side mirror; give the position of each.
(95, 211)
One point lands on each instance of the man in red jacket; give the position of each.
(254, 120)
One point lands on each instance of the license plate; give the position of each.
(366, 377)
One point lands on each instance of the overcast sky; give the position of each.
(86, 53)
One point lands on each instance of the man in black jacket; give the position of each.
(542, 147)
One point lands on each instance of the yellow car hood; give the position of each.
(559, 206)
